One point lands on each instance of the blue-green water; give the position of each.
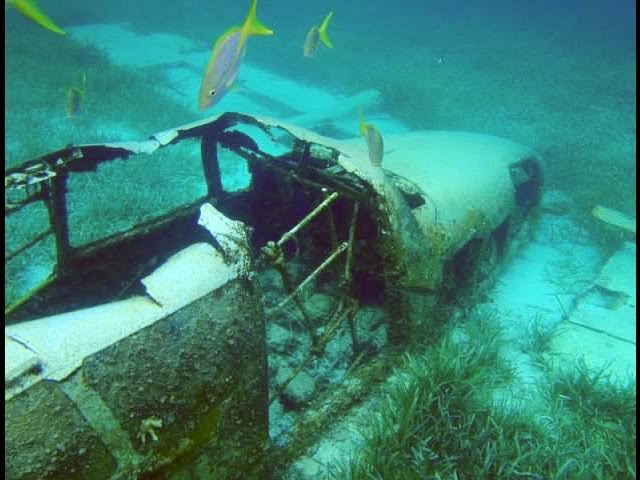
(557, 77)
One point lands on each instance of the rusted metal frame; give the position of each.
(30, 243)
(317, 348)
(231, 119)
(291, 170)
(273, 163)
(56, 191)
(356, 189)
(294, 176)
(362, 192)
(81, 158)
(355, 345)
(335, 321)
(91, 248)
(41, 170)
(21, 301)
(78, 253)
(303, 164)
(341, 248)
(29, 173)
(275, 256)
(210, 165)
(352, 234)
(273, 253)
(46, 162)
(302, 223)
(333, 235)
(287, 168)
(11, 207)
(50, 174)
(53, 191)
(87, 250)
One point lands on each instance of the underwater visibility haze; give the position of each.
(298, 240)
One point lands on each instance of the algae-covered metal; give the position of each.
(145, 334)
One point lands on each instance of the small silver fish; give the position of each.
(75, 95)
(315, 35)
(375, 144)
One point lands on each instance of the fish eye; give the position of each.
(212, 92)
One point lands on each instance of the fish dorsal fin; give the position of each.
(322, 31)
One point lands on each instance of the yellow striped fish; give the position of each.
(315, 35)
(375, 144)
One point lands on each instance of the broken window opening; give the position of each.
(281, 197)
(122, 194)
(287, 176)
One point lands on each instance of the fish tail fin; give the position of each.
(253, 25)
(322, 31)
(30, 9)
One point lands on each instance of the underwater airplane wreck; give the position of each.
(140, 350)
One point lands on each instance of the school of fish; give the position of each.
(221, 71)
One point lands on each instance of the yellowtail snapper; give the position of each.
(74, 98)
(224, 63)
(315, 35)
(375, 145)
